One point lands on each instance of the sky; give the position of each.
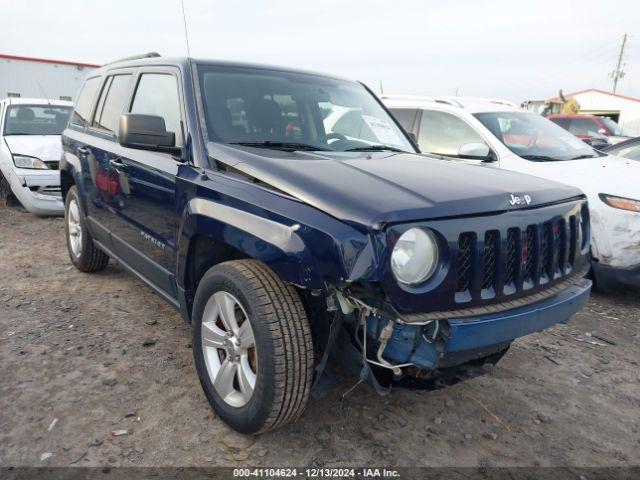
(515, 50)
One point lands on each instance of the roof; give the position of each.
(603, 92)
(183, 62)
(470, 104)
(48, 60)
(38, 101)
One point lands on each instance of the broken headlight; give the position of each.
(24, 161)
(415, 256)
(621, 202)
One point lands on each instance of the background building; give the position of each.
(624, 110)
(40, 77)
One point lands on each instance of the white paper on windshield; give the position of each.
(382, 129)
(573, 141)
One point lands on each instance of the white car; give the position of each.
(500, 134)
(30, 151)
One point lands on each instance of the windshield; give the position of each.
(36, 120)
(534, 137)
(294, 111)
(613, 127)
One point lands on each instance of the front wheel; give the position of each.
(252, 346)
(83, 252)
(7, 199)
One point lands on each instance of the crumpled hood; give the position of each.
(383, 187)
(44, 147)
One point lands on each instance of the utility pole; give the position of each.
(618, 73)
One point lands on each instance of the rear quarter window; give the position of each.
(82, 108)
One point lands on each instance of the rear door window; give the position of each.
(112, 103)
(82, 109)
(157, 94)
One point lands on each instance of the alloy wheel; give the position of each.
(74, 228)
(229, 349)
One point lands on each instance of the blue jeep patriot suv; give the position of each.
(290, 219)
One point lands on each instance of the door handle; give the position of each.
(117, 164)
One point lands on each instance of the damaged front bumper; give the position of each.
(38, 192)
(447, 343)
(615, 245)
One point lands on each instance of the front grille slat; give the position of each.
(490, 259)
(546, 252)
(573, 240)
(529, 254)
(465, 262)
(513, 261)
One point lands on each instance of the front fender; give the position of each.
(70, 164)
(303, 245)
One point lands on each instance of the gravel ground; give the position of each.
(83, 355)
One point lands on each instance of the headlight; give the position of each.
(415, 256)
(22, 161)
(621, 202)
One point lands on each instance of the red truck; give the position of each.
(595, 130)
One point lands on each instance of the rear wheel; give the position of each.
(7, 199)
(83, 252)
(252, 346)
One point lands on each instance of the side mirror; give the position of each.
(146, 132)
(475, 151)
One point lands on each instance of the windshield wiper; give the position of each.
(579, 157)
(286, 146)
(539, 158)
(374, 148)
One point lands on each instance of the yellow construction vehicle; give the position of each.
(559, 105)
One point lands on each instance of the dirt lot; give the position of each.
(101, 353)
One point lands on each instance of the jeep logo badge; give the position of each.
(519, 200)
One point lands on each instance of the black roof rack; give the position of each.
(135, 57)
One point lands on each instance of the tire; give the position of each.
(7, 199)
(84, 254)
(280, 362)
